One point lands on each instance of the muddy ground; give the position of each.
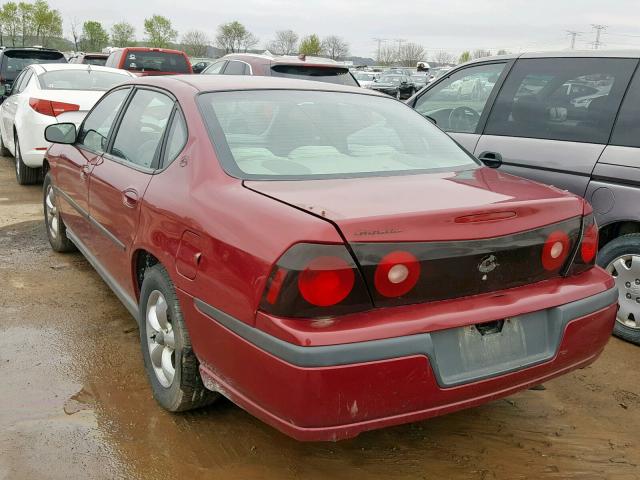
(74, 399)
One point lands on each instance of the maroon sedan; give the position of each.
(322, 255)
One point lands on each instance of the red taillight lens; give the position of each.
(52, 108)
(326, 281)
(589, 245)
(396, 274)
(555, 250)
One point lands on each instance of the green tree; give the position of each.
(160, 33)
(10, 22)
(47, 22)
(123, 34)
(234, 37)
(311, 45)
(94, 36)
(465, 56)
(25, 16)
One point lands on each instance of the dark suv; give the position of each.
(14, 59)
(569, 119)
(303, 67)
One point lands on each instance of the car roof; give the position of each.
(217, 83)
(147, 49)
(285, 59)
(562, 54)
(49, 67)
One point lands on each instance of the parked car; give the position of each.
(562, 119)
(365, 79)
(44, 94)
(144, 61)
(99, 59)
(306, 67)
(401, 71)
(14, 59)
(438, 72)
(438, 285)
(394, 84)
(420, 80)
(200, 64)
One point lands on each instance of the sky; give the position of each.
(452, 26)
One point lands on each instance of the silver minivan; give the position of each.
(569, 119)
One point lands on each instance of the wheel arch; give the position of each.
(141, 260)
(616, 229)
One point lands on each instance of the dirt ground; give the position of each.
(74, 399)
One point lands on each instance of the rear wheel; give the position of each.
(4, 151)
(621, 258)
(56, 229)
(171, 365)
(24, 175)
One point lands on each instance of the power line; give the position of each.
(380, 42)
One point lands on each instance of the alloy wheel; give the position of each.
(160, 338)
(626, 272)
(53, 217)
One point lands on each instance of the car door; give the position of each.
(458, 108)
(119, 182)
(73, 169)
(541, 130)
(614, 189)
(10, 107)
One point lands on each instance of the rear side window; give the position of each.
(236, 68)
(627, 130)
(14, 61)
(571, 99)
(338, 75)
(143, 61)
(176, 139)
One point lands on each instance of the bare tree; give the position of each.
(479, 53)
(285, 43)
(410, 54)
(248, 42)
(387, 55)
(335, 47)
(195, 43)
(234, 37)
(444, 57)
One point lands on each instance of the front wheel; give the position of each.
(171, 365)
(56, 229)
(621, 258)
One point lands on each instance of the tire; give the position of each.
(621, 258)
(4, 151)
(53, 223)
(24, 175)
(162, 325)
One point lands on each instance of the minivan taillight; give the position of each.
(52, 108)
(315, 280)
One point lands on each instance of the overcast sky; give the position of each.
(453, 25)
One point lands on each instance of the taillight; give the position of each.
(315, 280)
(52, 108)
(585, 257)
(396, 274)
(555, 250)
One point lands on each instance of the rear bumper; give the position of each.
(335, 392)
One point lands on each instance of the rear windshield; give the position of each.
(141, 61)
(14, 61)
(81, 80)
(338, 75)
(101, 61)
(290, 134)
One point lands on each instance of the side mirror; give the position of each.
(64, 133)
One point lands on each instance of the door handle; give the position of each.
(491, 159)
(130, 198)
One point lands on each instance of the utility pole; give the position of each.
(400, 42)
(380, 42)
(598, 28)
(573, 36)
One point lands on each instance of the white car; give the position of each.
(44, 94)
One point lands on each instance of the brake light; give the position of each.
(555, 250)
(396, 274)
(52, 108)
(589, 246)
(326, 281)
(315, 280)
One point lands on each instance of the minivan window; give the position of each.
(338, 75)
(457, 103)
(152, 61)
(304, 134)
(626, 132)
(571, 99)
(14, 61)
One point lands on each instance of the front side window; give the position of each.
(96, 127)
(570, 99)
(457, 103)
(143, 123)
(305, 134)
(81, 80)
